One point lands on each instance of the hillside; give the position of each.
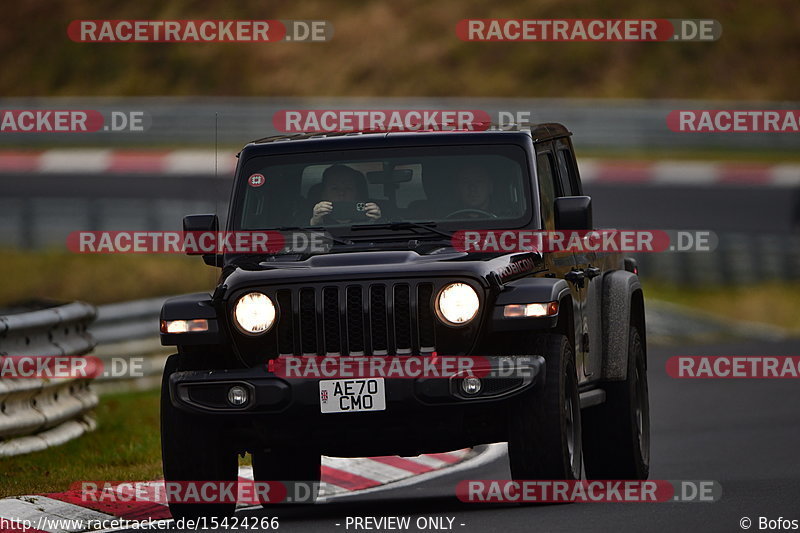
(403, 48)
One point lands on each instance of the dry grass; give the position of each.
(99, 279)
(403, 48)
(774, 303)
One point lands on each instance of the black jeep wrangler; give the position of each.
(392, 284)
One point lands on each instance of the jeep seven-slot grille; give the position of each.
(366, 319)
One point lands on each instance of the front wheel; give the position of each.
(617, 433)
(192, 449)
(544, 440)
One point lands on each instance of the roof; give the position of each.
(539, 132)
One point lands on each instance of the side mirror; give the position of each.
(203, 223)
(573, 213)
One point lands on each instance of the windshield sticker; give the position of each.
(256, 180)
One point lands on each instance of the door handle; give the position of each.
(592, 272)
(576, 277)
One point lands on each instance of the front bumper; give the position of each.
(207, 391)
(421, 413)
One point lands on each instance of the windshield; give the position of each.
(458, 187)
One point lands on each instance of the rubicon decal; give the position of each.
(517, 267)
(333, 120)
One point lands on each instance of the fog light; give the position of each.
(237, 396)
(471, 386)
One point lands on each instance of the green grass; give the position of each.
(775, 303)
(125, 446)
(687, 154)
(100, 279)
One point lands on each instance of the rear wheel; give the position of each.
(544, 440)
(616, 433)
(298, 470)
(192, 449)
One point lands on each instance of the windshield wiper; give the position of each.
(398, 226)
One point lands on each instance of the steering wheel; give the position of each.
(479, 211)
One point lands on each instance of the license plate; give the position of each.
(352, 395)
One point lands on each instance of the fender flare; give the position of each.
(189, 307)
(623, 301)
(529, 290)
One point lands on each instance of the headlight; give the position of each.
(457, 304)
(254, 313)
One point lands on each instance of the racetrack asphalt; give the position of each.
(742, 433)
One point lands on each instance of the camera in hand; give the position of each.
(349, 210)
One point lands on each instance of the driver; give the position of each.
(474, 190)
(341, 183)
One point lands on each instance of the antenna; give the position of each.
(216, 146)
(216, 169)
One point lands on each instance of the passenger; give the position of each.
(341, 183)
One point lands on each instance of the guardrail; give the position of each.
(36, 414)
(739, 259)
(602, 122)
(39, 413)
(127, 332)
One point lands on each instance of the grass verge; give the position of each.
(774, 303)
(125, 446)
(99, 279)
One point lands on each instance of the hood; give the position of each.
(376, 265)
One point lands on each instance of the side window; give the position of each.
(545, 170)
(570, 184)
